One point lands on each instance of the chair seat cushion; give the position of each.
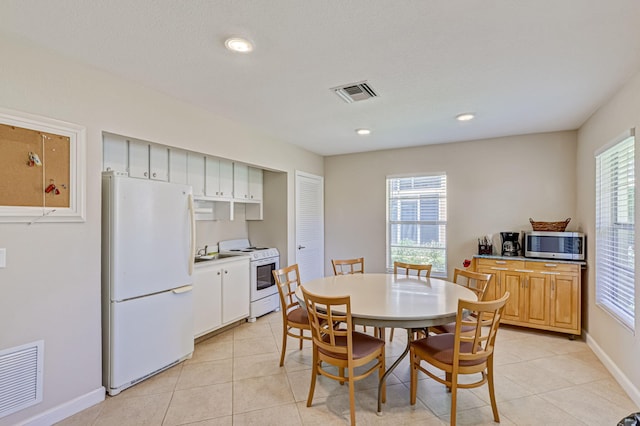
(440, 348)
(298, 316)
(363, 345)
(451, 328)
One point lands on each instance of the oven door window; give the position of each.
(264, 276)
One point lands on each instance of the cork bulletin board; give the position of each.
(25, 183)
(42, 169)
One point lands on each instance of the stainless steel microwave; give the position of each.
(554, 245)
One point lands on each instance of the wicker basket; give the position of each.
(550, 226)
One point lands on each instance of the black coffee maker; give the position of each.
(510, 243)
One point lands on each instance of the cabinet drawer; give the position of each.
(552, 267)
(500, 264)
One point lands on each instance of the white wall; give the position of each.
(51, 285)
(616, 345)
(492, 185)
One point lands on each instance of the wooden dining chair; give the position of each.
(420, 271)
(340, 347)
(348, 266)
(294, 317)
(474, 281)
(461, 353)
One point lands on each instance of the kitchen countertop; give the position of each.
(223, 259)
(529, 259)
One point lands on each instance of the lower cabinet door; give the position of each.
(235, 291)
(207, 306)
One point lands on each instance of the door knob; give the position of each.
(301, 247)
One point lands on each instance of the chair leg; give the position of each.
(492, 395)
(341, 374)
(380, 374)
(391, 335)
(301, 335)
(414, 376)
(284, 344)
(352, 396)
(454, 395)
(314, 373)
(447, 377)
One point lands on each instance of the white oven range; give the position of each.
(264, 260)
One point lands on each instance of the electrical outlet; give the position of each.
(3, 257)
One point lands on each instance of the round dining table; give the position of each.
(395, 301)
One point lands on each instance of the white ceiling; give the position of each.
(521, 66)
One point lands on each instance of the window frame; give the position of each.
(440, 221)
(612, 293)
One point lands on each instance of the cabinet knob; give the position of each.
(146, 174)
(154, 175)
(226, 272)
(218, 272)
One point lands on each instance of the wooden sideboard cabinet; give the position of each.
(544, 294)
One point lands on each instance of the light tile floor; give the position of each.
(234, 379)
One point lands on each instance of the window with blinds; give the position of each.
(615, 229)
(417, 221)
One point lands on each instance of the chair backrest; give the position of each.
(474, 346)
(348, 266)
(425, 270)
(324, 313)
(474, 281)
(287, 280)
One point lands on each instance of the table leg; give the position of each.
(393, 366)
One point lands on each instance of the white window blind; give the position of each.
(615, 230)
(417, 221)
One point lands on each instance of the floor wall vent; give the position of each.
(21, 377)
(355, 92)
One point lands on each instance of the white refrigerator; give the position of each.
(147, 263)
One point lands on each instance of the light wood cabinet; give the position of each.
(543, 294)
(221, 294)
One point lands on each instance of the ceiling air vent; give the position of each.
(355, 92)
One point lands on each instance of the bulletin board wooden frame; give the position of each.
(60, 146)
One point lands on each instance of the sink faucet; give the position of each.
(203, 251)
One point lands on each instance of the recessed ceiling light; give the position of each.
(237, 44)
(465, 117)
(363, 131)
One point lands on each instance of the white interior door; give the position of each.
(309, 226)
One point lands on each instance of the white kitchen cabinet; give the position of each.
(221, 293)
(115, 153)
(218, 178)
(195, 173)
(240, 181)
(255, 184)
(148, 161)
(235, 291)
(177, 166)
(207, 304)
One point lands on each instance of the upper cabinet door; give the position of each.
(255, 184)
(177, 166)
(138, 159)
(159, 162)
(240, 181)
(115, 153)
(212, 177)
(226, 178)
(195, 172)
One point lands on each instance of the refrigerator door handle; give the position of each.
(183, 289)
(192, 217)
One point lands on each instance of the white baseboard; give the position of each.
(67, 409)
(619, 376)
